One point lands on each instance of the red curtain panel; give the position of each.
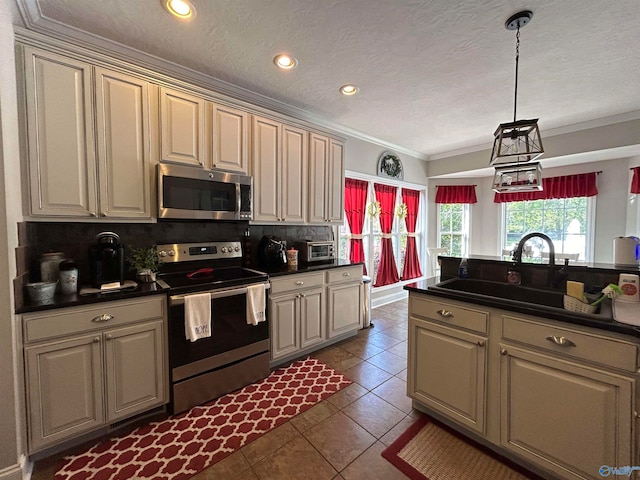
(456, 194)
(567, 186)
(355, 206)
(635, 182)
(411, 198)
(387, 271)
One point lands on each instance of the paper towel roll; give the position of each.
(625, 251)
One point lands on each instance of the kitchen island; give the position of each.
(555, 391)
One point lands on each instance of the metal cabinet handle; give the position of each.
(481, 343)
(302, 295)
(105, 317)
(96, 340)
(503, 351)
(299, 282)
(562, 341)
(346, 274)
(444, 313)
(108, 337)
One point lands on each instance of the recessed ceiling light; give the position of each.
(180, 8)
(349, 89)
(285, 62)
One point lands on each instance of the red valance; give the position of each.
(456, 194)
(567, 186)
(635, 182)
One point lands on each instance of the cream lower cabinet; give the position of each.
(296, 313)
(344, 300)
(569, 417)
(279, 168)
(87, 158)
(557, 397)
(87, 367)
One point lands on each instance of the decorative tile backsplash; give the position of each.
(74, 239)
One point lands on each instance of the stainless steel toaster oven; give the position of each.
(315, 251)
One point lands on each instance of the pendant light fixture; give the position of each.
(518, 141)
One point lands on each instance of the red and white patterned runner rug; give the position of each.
(183, 445)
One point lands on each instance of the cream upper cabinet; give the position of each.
(62, 163)
(279, 162)
(86, 159)
(326, 180)
(182, 123)
(228, 130)
(122, 120)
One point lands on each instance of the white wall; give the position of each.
(10, 213)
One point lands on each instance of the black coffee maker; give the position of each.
(106, 259)
(271, 252)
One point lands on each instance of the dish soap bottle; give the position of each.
(463, 269)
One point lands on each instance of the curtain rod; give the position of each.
(465, 185)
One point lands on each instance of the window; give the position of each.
(453, 228)
(372, 233)
(567, 221)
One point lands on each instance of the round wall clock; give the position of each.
(389, 165)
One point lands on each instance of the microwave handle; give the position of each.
(238, 198)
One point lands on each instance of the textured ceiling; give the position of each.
(434, 76)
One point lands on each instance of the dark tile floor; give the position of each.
(343, 436)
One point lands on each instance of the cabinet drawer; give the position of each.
(296, 281)
(475, 320)
(345, 274)
(66, 321)
(582, 345)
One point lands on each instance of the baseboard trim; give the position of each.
(385, 298)
(14, 472)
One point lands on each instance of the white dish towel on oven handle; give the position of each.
(197, 316)
(255, 304)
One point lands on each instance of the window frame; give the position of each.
(590, 229)
(368, 235)
(466, 228)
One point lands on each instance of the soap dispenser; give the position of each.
(463, 269)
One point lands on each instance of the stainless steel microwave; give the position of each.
(192, 193)
(320, 251)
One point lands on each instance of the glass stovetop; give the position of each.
(209, 278)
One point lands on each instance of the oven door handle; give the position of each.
(217, 293)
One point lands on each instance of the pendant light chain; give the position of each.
(515, 95)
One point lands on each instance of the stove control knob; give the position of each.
(172, 253)
(162, 253)
(237, 249)
(223, 249)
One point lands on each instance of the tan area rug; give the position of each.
(432, 451)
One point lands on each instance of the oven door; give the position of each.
(231, 340)
(198, 194)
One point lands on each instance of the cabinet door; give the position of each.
(335, 183)
(122, 121)
(293, 184)
(62, 166)
(569, 418)
(182, 127)
(318, 174)
(344, 308)
(265, 162)
(64, 385)
(447, 372)
(229, 139)
(285, 325)
(135, 369)
(312, 324)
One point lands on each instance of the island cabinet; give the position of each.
(279, 169)
(558, 398)
(88, 139)
(296, 313)
(201, 133)
(87, 367)
(326, 180)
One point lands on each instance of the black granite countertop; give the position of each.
(306, 267)
(61, 301)
(602, 322)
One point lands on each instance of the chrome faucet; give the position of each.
(517, 254)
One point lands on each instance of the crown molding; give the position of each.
(165, 71)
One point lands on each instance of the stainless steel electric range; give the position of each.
(237, 352)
